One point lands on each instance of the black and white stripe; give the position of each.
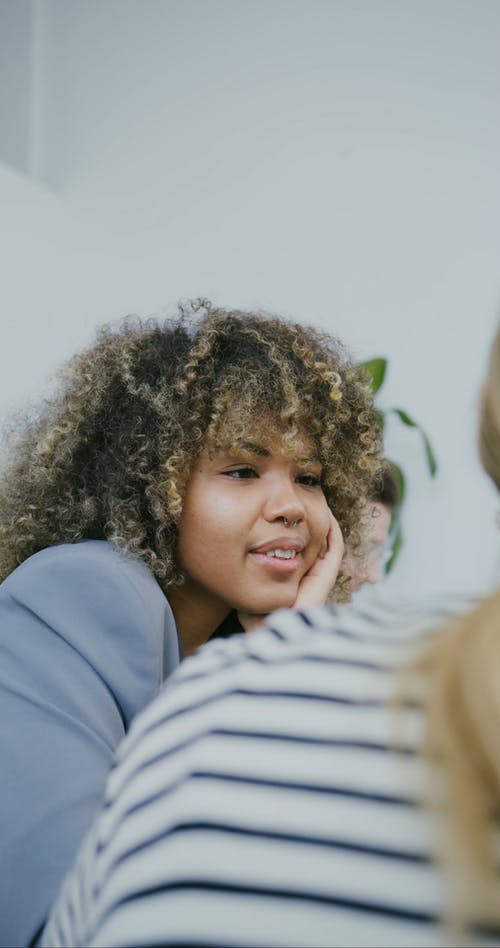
(266, 799)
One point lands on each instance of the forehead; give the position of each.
(262, 436)
(298, 452)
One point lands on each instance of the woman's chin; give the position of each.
(266, 606)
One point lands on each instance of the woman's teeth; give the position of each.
(282, 554)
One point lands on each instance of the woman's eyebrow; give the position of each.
(309, 460)
(254, 449)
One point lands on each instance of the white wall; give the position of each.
(334, 160)
(16, 60)
(50, 266)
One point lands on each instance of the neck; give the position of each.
(196, 617)
(251, 621)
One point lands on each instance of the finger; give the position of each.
(335, 540)
(329, 540)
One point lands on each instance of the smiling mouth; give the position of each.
(278, 561)
(282, 554)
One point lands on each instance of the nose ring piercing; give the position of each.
(288, 523)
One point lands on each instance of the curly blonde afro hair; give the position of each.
(109, 455)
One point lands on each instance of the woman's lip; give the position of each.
(280, 543)
(276, 564)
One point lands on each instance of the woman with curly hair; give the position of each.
(207, 466)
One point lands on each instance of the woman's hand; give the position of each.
(320, 578)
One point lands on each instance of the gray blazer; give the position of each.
(86, 639)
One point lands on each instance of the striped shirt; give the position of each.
(268, 797)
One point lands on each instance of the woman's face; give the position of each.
(370, 568)
(252, 525)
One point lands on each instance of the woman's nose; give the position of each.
(373, 571)
(284, 503)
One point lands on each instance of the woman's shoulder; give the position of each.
(89, 583)
(102, 603)
(93, 553)
(86, 561)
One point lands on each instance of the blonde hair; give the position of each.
(460, 669)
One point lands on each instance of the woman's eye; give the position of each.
(309, 480)
(241, 472)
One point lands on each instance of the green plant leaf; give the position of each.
(400, 479)
(376, 369)
(429, 452)
(405, 418)
(396, 548)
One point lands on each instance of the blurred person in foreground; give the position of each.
(331, 779)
